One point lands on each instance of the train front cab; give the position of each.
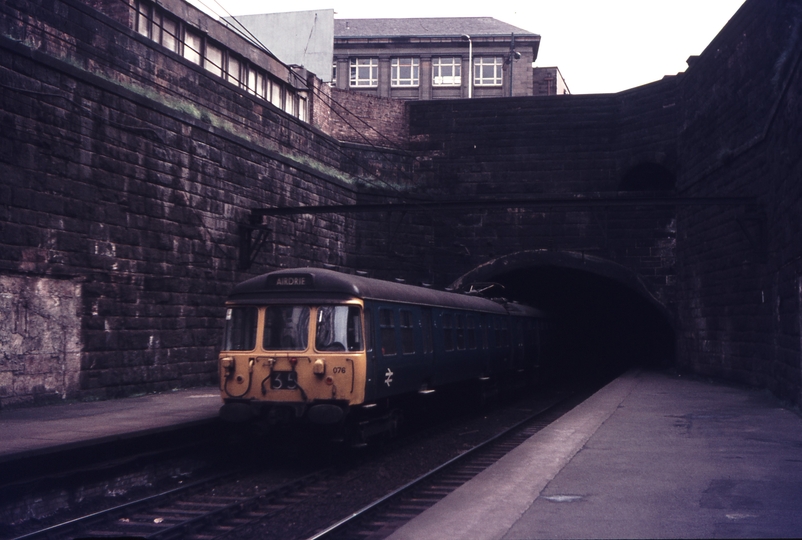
(292, 362)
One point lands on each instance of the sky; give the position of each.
(600, 46)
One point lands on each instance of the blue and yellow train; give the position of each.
(316, 346)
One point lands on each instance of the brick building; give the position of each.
(432, 58)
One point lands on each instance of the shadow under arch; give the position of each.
(606, 317)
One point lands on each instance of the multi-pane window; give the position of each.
(153, 22)
(234, 70)
(289, 104)
(471, 333)
(460, 332)
(448, 332)
(192, 46)
(426, 327)
(387, 331)
(407, 332)
(276, 94)
(256, 82)
(214, 59)
(404, 71)
(487, 70)
(170, 34)
(144, 19)
(447, 71)
(364, 71)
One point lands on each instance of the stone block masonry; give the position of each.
(126, 173)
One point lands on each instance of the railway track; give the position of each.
(181, 512)
(250, 505)
(385, 515)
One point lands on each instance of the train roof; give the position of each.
(318, 284)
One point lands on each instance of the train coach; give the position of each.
(315, 346)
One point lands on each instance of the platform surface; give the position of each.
(650, 455)
(33, 431)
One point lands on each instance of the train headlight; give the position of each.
(227, 363)
(319, 367)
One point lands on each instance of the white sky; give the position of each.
(599, 45)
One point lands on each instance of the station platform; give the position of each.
(651, 455)
(37, 431)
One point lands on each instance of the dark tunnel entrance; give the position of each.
(600, 326)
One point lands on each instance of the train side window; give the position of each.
(368, 329)
(461, 332)
(387, 331)
(338, 329)
(407, 332)
(240, 333)
(483, 324)
(505, 333)
(448, 331)
(426, 327)
(471, 332)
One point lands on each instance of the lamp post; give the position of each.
(511, 58)
(470, 65)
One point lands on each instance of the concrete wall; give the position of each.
(304, 38)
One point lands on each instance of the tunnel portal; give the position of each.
(599, 326)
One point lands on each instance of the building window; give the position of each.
(364, 71)
(192, 47)
(234, 70)
(150, 21)
(447, 71)
(256, 82)
(289, 104)
(404, 72)
(144, 19)
(487, 71)
(170, 34)
(276, 94)
(214, 59)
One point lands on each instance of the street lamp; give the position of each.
(470, 65)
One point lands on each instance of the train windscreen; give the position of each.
(240, 334)
(339, 328)
(286, 328)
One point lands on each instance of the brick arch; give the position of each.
(565, 259)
